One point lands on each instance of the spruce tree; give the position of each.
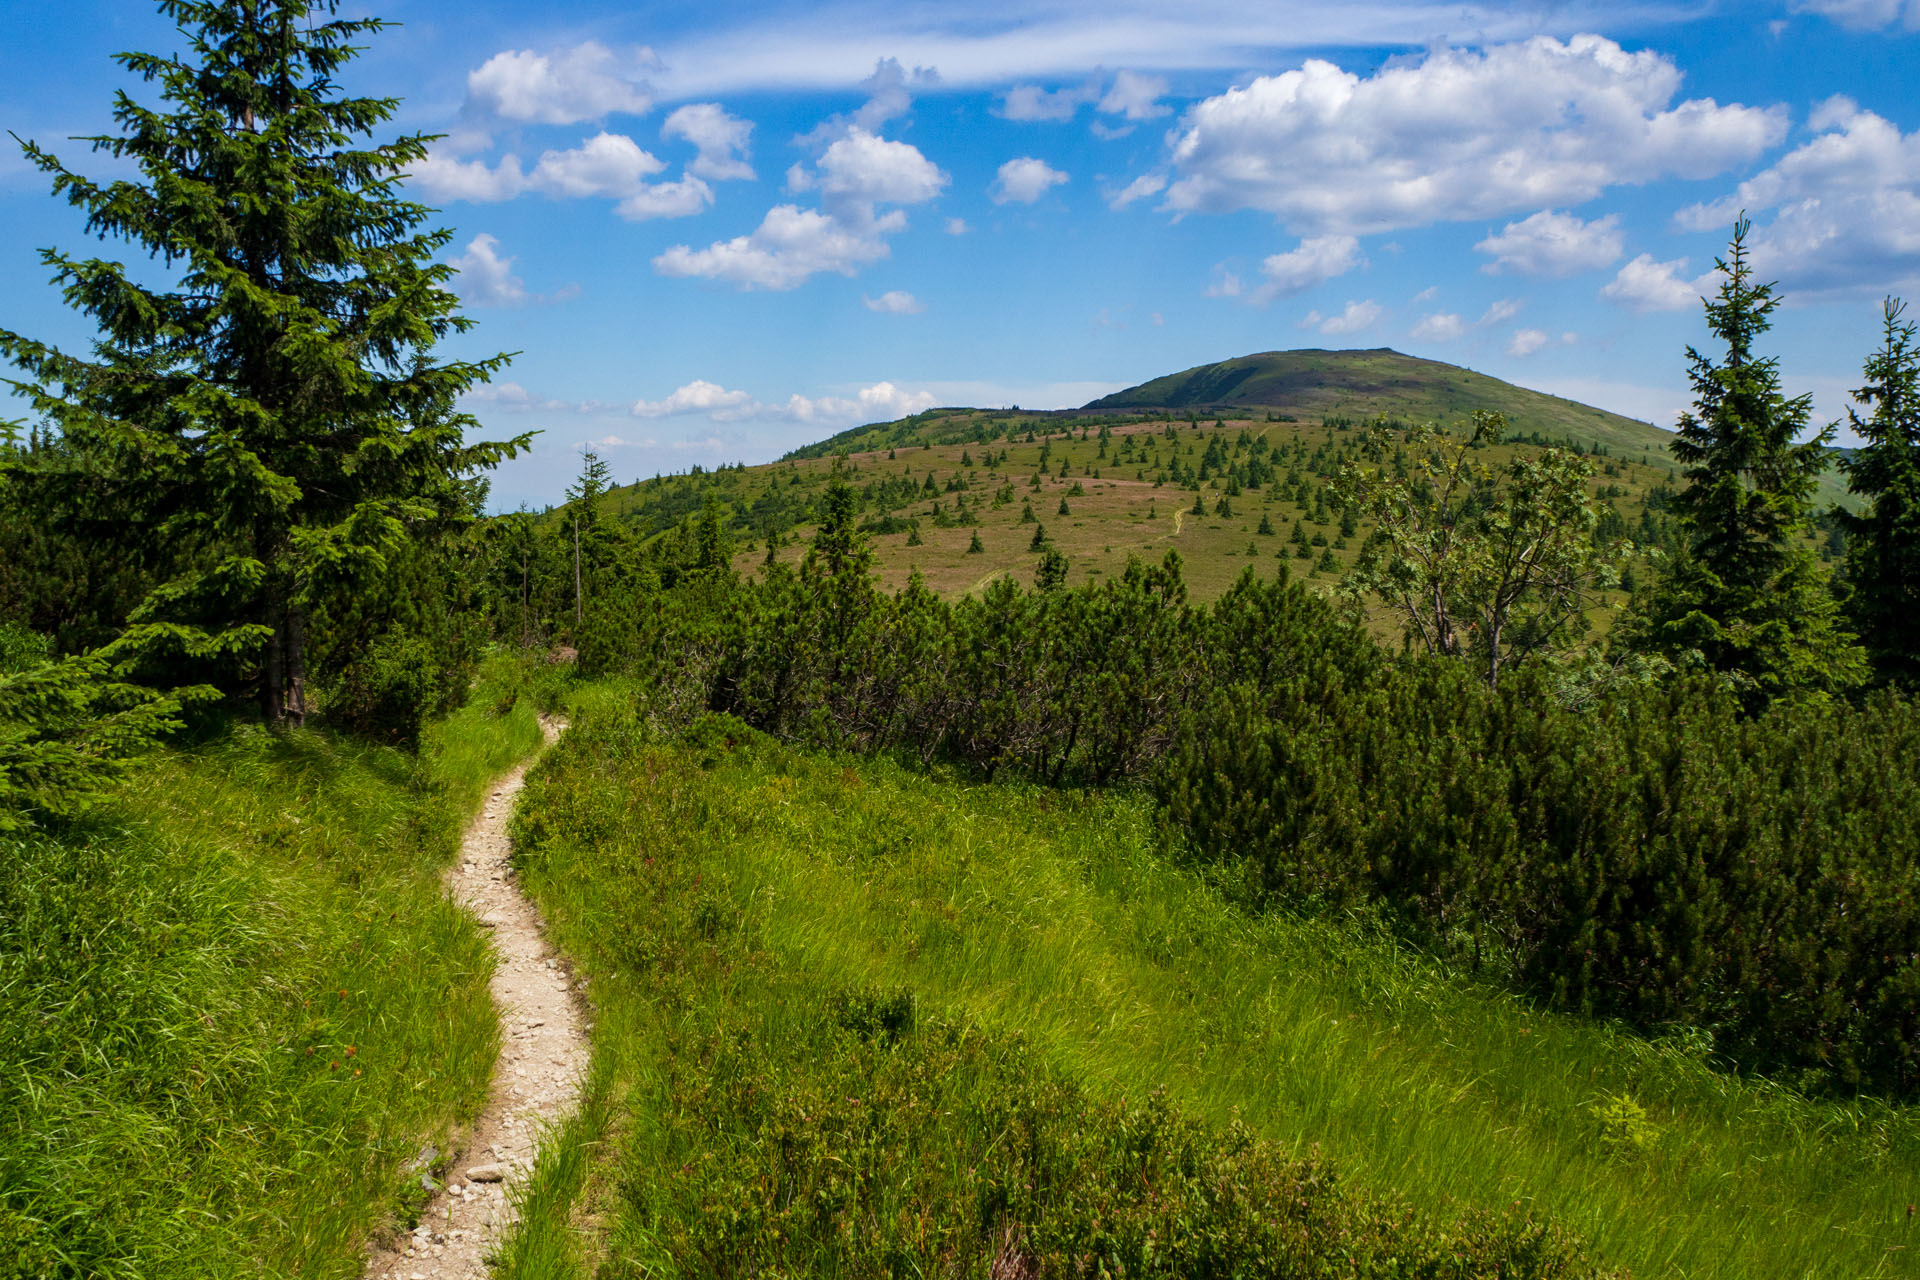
(273, 409)
(1883, 544)
(1745, 597)
(583, 520)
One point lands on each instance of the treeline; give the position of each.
(1661, 857)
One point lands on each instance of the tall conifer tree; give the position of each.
(1883, 545)
(275, 409)
(1746, 598)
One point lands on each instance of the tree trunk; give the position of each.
(296, 659)
(273, 703)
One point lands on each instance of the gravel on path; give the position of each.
(536, 1083)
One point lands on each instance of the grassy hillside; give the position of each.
(1129, 470)
(782, 948)
(998, 476)
(1363, 384)
(235, 1005)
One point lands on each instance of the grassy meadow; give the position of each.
(234, 1004)
(744, 911)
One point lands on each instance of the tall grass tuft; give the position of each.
(235, 1008)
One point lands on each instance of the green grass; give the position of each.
(1060, 920)
(235, 1005)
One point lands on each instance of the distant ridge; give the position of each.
(1316, 383)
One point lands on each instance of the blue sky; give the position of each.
(715, 232)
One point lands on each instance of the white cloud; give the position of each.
(894, 302)
(880, 402)
(1458, 134)
(1864, 15)
(862, 169)
(1136, 96)
(1525, 342)
(699, 396)
(790, 245)
(889, 96)
(1357, 316)
(1226, 284)
(1846, 207)
(582, 83)
(1317, 260)
(1133, 95)
(442, 177)
(994, 43)
(1554, 245)
(857, 170)
(607, 166)
(957, 227)
(666, 200)
(1440, 326)
(877, 403)
(1031, 102)
(610, 165)
(720, 138)
(1024, 180)
(1500, 311)
(486, 278)
(1147, 184)
(511, 397)
(1646, 285)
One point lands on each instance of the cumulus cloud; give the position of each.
(957, 227)
(1525, 342)
(1500, 311)
(1553, 245)
(1024, 180)
(1031, 102)
(609, 166)
(1845, 205)
(1132, 96)
(585, 82)
(1646, 285)
(511, 397)
(699, 396)
(1316, 261)
(1147, 184)
(1458, 134)
(863, 169)
(790, 246)
(894, 302)
(889, 93)
(1440, 326)
(880, 402)
(856, 172)
(1864, 15)
(1136, 96)
(721, 140)
(442, 176)
(485, 277)
(1357, 316)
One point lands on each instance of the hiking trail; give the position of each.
(536, 1082)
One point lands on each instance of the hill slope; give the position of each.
(1362, 384)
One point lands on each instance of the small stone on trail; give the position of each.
(487, 1173)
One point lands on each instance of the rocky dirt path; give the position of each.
(543, 1056)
